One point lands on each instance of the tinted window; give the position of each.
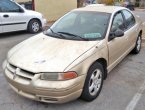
(9, 6)
(130, 20)
(118, 23)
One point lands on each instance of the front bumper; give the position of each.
(43, 22)
(45, 91)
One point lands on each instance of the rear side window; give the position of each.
(130, 20)
(8, 6)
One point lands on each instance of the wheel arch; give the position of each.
(34, 19)
(103, 62)
(140, 33)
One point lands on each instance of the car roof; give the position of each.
(100, 8)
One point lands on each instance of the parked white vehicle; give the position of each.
(14, 17)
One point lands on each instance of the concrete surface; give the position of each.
(122, 90)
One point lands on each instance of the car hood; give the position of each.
(42, 53)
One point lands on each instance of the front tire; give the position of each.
(137, 48)
(93, 83)
(34, 26)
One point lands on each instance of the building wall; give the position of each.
(54, 9)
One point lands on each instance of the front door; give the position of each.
(117, 46)
(12, 16)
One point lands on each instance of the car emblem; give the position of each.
(15, 73)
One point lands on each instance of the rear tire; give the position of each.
(34, 26)
(137, 48)
(93, 83)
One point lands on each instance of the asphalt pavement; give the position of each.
(124, 89)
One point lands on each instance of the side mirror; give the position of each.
(117, 33)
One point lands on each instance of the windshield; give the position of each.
(80, 25)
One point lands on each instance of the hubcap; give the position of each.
(138, 43)
(35, 26)
(95, 82)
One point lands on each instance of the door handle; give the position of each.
(5, 16)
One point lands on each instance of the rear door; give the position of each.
(131, 29)
(13, 16)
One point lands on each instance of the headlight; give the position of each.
(58, 76)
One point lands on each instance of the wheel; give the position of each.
(137, 48)
(34, 26)
(93, 83)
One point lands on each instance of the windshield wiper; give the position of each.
(67, 33)
(59, 35)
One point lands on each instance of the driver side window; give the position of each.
(118, 23)
(8, 6)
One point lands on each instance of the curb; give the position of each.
(139, 9)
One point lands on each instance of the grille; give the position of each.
(20, 73)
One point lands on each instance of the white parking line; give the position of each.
(136, 98)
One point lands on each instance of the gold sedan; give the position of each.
(73, 57)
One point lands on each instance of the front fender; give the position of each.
(82, 64)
